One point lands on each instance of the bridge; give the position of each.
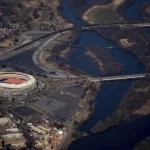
(89, 26)
(116, 78)
(120, 25)
(21, 48)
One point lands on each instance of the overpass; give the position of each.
(116, 78)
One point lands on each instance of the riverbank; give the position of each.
(132, 40)
(86, 108)
(143, 145)
(61, 48)
(126, 39)
(110, 15)
(134, 103)
(145, 12)
(116, 7)
(106, 64)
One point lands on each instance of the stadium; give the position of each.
(16, 83)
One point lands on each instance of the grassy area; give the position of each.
(143, 145)
(104, 16)
(104, 13)
(53, 83)
(45, 14)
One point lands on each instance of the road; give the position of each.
(37, 53)
(13, 52)
(121, 77)
(89, 26)
(24, 38)
(36, 56)
(70, 125)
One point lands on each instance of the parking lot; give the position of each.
(63, 103)
(25, 111)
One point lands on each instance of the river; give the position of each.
(126, 135)
(77, 57)
(121, 137)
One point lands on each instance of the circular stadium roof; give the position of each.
(15, 80)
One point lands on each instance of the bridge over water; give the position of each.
(121, 77)
(86, 27)
(121, 25)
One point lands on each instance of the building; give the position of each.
(1, 144)
(16, 83)
(4, 123)
(10, 134)
(17, 140)
(12, 130)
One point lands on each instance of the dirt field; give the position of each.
(7, 43)
(126, 43)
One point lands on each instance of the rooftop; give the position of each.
(4, 120)
(13, 135)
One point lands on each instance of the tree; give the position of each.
(16, 40)
(44, 76)
(19, 5)
(90, 109)
(28, 26)
(86, 89)
(4, 66)
(76, 122)
(91, 102)
(81, 84)
(41, 4)
(36, 15)
(31, 72)
(13, 99)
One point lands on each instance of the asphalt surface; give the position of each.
(62, 104)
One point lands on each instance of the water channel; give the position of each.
(126, 135)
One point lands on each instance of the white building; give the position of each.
(15, 139)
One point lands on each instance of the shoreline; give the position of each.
(86, 113)
(106, 64)
(145, 15)
(112, 6)
(120, 11)
(58, 48)
(127, 49)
